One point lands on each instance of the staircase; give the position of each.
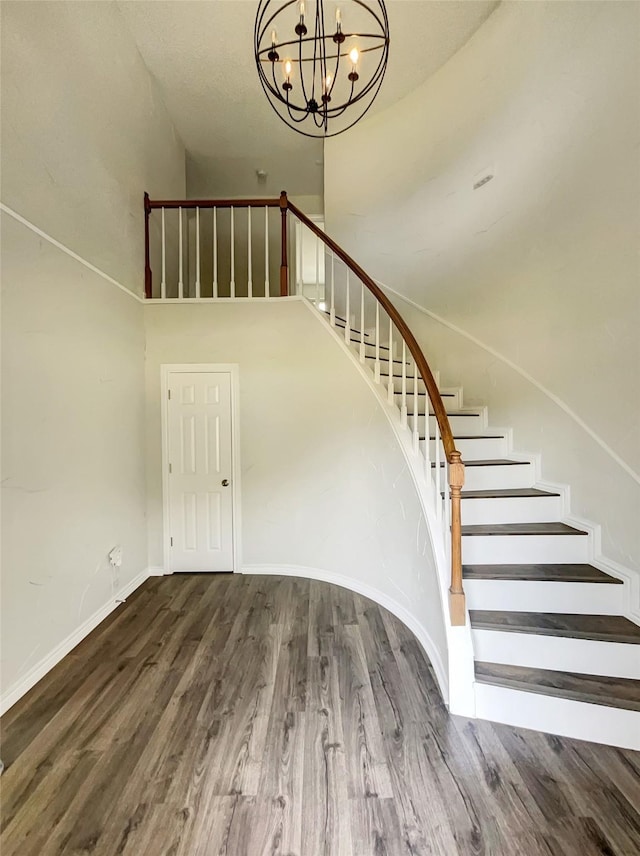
(553, 649)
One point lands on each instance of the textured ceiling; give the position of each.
(201, 54)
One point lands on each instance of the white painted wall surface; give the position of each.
(84, 131)
(324, 482)
(540, 264)
(73, 483)
(83, 134)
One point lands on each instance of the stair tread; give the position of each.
(594, 689)
(490, 462)
(551, 528)
(471, 436)
(602, 628)
(571, 573)
(505, 493)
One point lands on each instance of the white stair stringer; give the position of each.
(460, 689)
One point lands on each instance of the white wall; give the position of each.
(83, 133)
(540, 264)
(324, 482)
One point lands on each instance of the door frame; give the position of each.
(233, 370)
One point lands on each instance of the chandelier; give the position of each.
(321, 74)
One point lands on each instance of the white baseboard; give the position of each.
(155, 572)
(418, 630)
(53, 658)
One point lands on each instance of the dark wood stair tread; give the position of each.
(571, 573)
(471, 436)
(493, 462)
(505, 493)
(552, 528)
(602, 628)
(594, 689)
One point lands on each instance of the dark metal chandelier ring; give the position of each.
(313, 78)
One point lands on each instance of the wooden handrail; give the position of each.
(214, 203)
(457, 605)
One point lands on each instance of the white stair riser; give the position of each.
(477, 449)
(524, 549)
(467, 424)
(562, 716)
(497, 477)
(585, 656)
(532, 596)
(522, 509)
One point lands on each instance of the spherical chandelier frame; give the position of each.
(315, 61)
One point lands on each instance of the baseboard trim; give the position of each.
(418, 630)
(61, 650)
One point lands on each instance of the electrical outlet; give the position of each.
(115, 556)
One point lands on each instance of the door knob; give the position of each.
(225, 482)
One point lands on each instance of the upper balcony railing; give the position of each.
(263, 248)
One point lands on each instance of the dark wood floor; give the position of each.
(258, 715)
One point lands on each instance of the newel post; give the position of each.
(147, 263)
(284, 270)
(457, 606)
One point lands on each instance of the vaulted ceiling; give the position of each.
(201, 54)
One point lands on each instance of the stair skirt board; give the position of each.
(541, 596)
(555, 715)
(524, 549)
(586, 656)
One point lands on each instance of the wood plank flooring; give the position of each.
(245, 716)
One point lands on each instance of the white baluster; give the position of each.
(347, 314)
(414, 420)
(362, 322)
(266, 251)
(427, 445)
(180, 281)
(376, 372)
(332, 308)
(317, 272)
(298, 257)
(249, 271)
(232, 284)
(163, 284)
(390, 387)
(438, 468)
(403, 406)
(215, 252)
(197, 251)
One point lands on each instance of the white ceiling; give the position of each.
(201, 54)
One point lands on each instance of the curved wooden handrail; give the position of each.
(457, 606)
(416, 351)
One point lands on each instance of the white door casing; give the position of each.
(200, 468)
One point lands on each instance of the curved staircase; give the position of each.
(553, 648)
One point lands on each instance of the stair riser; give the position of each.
(477, 449)
(532, 596)
(535, 509)
(497, 477)
(524, 549)
(554, 715)
(585, 656)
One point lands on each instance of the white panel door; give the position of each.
(199, 437)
